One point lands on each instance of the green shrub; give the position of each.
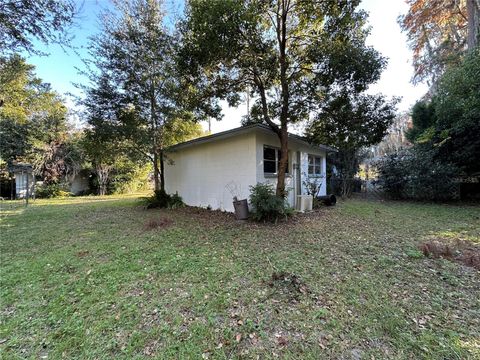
(160, 199)
(129, 178)
(176, 201)
(50, 191)
(415, 174)
(266, 206)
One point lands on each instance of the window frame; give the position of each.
(276, 161)
(315, 165)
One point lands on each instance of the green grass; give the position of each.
(84, 278)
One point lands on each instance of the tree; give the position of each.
(21, 21)
(473, 19)
(104, 142)
(449, 123)
(445, 134)
(349, 122)
(135, 86)
(423, 118)
(439, 32)
(104, 153)
(456, 137)
(32, 121)
(18, 87)
(287, 53)
(395, 139)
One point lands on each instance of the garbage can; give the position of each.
(241, 209)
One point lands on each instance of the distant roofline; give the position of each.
(244, 129)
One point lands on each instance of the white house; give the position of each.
(210, 170)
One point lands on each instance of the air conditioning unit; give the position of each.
(304, 203)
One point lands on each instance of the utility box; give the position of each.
(304, 203)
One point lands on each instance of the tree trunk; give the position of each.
(162, 172)
(103, 173)
(156, 171)
(349, 166)
(155, 146)
(285, 96)
(473, 16)
(282, 165)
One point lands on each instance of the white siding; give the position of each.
(292, 179)
(203, 173)
(304, 170)
(272, 140)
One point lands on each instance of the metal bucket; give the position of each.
(241, 209)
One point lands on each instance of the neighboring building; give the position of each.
(80, 183)
(24, 180)
(211, 170)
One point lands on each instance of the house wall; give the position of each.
(292, 180)
(211, 174)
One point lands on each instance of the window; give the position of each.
(314, 165)
(271, 159)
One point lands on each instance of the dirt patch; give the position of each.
(151, 348)
(83, 253)
(461, 251)
(287, 284)
(161, 223)
(206, 216)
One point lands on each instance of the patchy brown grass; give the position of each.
(460, 251)
(288, 283)
(436, 250)
(83, 253)
(161, 223)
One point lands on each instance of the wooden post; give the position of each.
(28, 192)
(12, 184)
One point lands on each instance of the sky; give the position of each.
(60, 67)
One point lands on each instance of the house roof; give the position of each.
(244, 130)
(21, 167)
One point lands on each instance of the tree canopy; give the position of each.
(449, 123)
(137, 98)
(287, 54)
(33, 122)
(439, 32)
(134, 84)
(22, 21)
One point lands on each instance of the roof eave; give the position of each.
(243, 129)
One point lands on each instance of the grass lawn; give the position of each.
(88, 278)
